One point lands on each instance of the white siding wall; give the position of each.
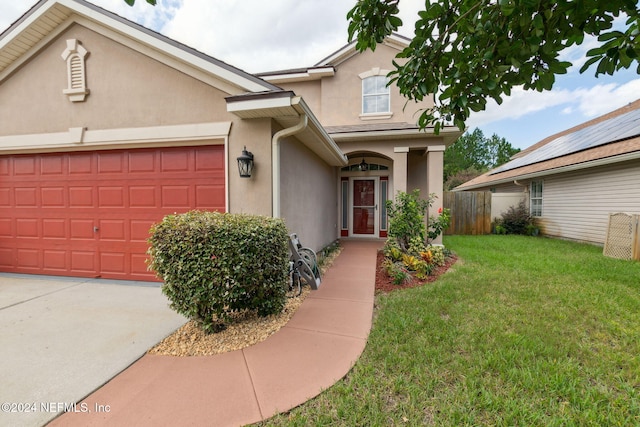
(577, 205)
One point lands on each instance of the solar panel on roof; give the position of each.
(615, 129)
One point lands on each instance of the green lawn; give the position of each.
(521, 331)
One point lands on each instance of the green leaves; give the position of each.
(132, 2)
(214, 264)
(370, 21)
(466, 52)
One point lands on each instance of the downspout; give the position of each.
(275, 160)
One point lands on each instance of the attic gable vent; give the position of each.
(75, 55)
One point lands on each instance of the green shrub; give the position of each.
(516, 220)
(406, 218)
(214, 264)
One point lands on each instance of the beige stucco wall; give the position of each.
(131, 90)
(308, 195)
(127, 88)
(342, 94)
(251, 195)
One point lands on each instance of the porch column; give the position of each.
(435, 173)
(400, 169)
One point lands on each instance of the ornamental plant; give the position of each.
(406, 218)
(215, 264)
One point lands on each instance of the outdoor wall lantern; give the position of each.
(363, 166)
(245, 163)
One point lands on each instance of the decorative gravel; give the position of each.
(246, 329)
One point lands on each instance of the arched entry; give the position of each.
(364, 187)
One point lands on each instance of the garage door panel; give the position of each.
(112, 230)
(55, 260)
(80, 197)
(50, 205)
(52, 165)
(176, 196)
(140, 230)
(174, 161)
(26, 197)
(142, 162)
(54, 229)
(84, 262)
(142, 196)
(28, 258)
(53, 197)
(82, 229)
(5, 197)
(80, 164)
(113, 263)
(111, 163)
(27, 228)
(24, 166)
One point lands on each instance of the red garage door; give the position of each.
(88, 214)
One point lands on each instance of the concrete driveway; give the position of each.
(62, 338)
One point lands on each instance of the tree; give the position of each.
(467, 51)
(132, 2)
(473, 154)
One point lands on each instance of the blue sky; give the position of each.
(259, 35)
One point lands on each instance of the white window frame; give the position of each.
(536, 191)
(383, 112)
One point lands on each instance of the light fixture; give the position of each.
(363, 166)
(245, 163)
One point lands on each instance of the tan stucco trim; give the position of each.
(296, 76)
(104, 139)
(448, 135)
(286, 109)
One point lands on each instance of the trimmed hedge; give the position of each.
(214, 264)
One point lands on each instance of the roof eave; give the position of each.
(605, 161)
(449, 134)
(235, 77)
(285, 107)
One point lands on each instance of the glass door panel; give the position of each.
(364, 206)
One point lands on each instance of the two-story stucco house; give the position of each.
(107, 126)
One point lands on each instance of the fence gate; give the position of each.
(470, 212)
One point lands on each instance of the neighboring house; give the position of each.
(107, 126)
(573, 180)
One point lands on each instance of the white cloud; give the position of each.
(588, 102)
(10, 11)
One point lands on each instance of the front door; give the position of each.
(364, 219)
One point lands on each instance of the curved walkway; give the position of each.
(315, 349)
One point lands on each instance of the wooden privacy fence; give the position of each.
(470, 212)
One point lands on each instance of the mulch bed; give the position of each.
(384, 283)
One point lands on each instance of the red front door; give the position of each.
(88, 214)
(364, 207)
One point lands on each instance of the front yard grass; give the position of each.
(521, 331)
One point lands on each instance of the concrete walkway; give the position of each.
(315, 349)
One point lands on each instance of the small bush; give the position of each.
(516, 220)
(215, 264)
